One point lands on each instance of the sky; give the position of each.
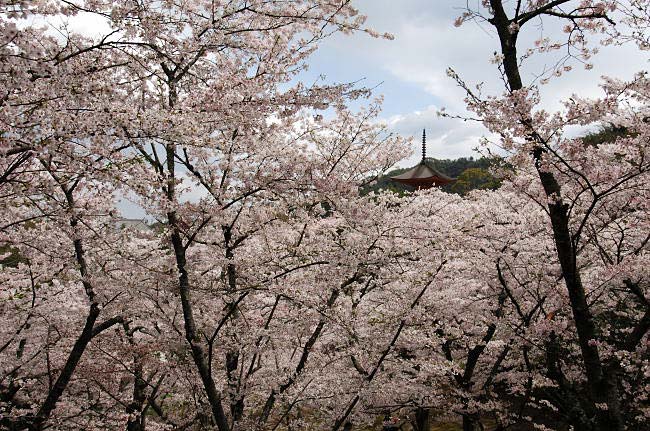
(410, 71)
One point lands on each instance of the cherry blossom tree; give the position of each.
(588, 192)
(155, 108)
(269, 293)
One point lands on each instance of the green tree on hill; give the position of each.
(473, 179)
(472, 173)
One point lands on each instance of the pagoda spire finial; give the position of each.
(424, 175)
(424, 144)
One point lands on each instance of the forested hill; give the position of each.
(470, 173)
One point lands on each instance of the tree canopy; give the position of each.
(271, 293)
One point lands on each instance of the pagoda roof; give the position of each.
(423, 176)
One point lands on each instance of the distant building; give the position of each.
(124, 223)
(424, 175)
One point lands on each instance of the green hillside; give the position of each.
(470, 173)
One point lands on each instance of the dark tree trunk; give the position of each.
(136, 421)
(90, 329)
(601, 388)
(422, 420)
(236, 401)
(68, 370)
(232, 355)
(470, 423)
(192, 335)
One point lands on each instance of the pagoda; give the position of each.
(424, 175)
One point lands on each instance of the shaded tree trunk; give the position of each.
(191, 334)
(601, 388)
(90, 329)
(422, 420)
(232, 355)
(471, 423)
(198, 350)
(68, 370)
(136, 421)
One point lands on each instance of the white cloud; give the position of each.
(426, 44)
(447, 138)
